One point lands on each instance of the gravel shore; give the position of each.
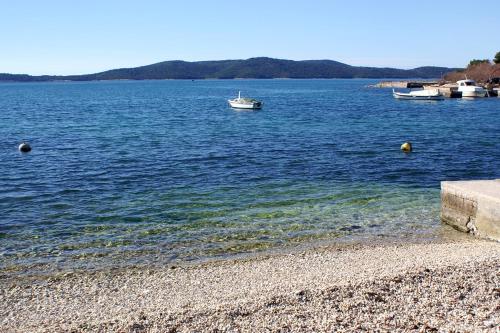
(413, 287)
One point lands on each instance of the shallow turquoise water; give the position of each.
(160, 171)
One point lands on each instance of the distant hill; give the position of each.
(255, 68)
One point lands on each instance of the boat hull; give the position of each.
(418, 98)
(250, 106)
(474, 93)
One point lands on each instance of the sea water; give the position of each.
(145, 172)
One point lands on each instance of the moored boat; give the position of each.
(244, 103)
(497, 91)
(432, 94)
(469, 88)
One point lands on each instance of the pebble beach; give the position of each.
(441, 286)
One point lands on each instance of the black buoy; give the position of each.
(24, 147)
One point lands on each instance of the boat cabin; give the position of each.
(463, 83)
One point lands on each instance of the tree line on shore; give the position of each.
(480, 70)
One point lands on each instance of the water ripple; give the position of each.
(128, 172)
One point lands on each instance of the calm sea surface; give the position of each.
(164, 171)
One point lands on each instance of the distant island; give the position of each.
(253, 68)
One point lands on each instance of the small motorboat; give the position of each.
(426, 95)
(469, 88)
(497, 91)
(244, 103)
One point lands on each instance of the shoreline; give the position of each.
(319, 289)
(439, 234)
(220, 79)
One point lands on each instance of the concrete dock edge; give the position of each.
(472, 206)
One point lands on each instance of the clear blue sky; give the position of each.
(72, 37)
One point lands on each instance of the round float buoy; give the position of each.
(406, 147)
(24, 147)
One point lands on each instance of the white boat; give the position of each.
(430, 94)
(497, 91)
(244, 103)
(469, 88)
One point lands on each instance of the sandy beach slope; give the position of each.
(453, 286)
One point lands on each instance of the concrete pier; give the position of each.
(403, 84)
(448, 90)
(472, 206)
